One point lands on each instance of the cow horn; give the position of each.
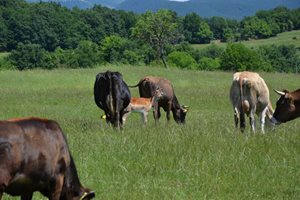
(185, 108)
(279, 92)
(103, 116)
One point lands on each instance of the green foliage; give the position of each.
(208, 64)
(205, 34)
(253, 27)
(116, 49)
(283, 58)
(158, 30)
(237, 57)
(182, 60)
(29, 56)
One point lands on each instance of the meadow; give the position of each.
(285, 38)
(207, 158)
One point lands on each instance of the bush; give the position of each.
(209, 64)
(30, 56)
(182, 60)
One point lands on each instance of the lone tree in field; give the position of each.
(157, 29)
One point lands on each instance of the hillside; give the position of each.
(234, 9)
(287, 38)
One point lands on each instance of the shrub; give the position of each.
(182, 60)
(209, 64)
(29, 56)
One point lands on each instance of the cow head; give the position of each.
(179, 114)
(285, 108)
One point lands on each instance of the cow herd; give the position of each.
(34, 154)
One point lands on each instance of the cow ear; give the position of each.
(289, 98)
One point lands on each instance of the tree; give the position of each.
(205, 34)
(191, 26)
(253, 27)
(237, 57)
(157, 29)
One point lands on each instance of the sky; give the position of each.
(179, 0)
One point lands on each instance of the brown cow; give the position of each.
(249, 94)
(34, 156)
(287, 106)
(168, 101)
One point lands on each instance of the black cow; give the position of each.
(112, 95)
(34, 156)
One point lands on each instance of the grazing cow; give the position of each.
(287, 106)
(34, 156)
(168, 101)
(112, 95)
(249, 94)
(142, 105)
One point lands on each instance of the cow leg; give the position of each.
(252, 120)
(156, 112)
(236, 117)
(262, 119)
(27, 197)
(56, 187)
(242, 121)
(168, 110)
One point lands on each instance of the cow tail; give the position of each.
(242, 113)
(132, 86)
(111, 102)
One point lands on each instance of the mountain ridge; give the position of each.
(235, 9)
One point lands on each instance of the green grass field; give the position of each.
(286, 38)
(204, 159)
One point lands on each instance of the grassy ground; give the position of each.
(204, 159)
(286, 38)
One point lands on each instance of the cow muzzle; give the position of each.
(275, 121)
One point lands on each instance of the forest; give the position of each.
(48, 35)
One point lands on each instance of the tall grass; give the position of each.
(204, 159)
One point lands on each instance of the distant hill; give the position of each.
(234, 9)
(83, 4)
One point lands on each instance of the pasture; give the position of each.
(204, 159)
(285, 38)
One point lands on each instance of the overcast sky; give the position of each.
(179, 0)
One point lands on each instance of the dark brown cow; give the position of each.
(287, 106)
(34, 156)
(147, 87)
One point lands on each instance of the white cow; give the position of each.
(249, 94)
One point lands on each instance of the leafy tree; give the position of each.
(191, 26)
(158, 30)
(205, 34)
(237, 57)
(253, 27)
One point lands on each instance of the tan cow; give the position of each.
(249, 94)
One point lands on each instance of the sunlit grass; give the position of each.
(204, 159)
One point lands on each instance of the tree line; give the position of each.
(47, 35)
